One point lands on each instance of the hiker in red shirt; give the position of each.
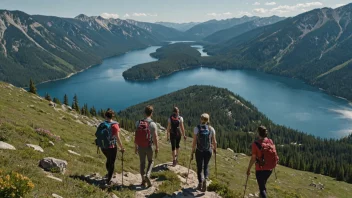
(111, 152)
(265, 158)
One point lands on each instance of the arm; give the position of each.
(119, 142)
(251, 162)
(194, 143)
(215, 143)
(155, 138)
(183, 130)
(168, 130)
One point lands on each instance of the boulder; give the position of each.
(36, 147)
(52, 104)
(53, 165)
(230, 150)
(4, 145)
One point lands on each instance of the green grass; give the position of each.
(18, 121)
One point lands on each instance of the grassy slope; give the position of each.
(17, 120)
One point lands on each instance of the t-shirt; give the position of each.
(115, 129)
(180, 117)
(152, 126)
(258, 153)
(212, 132)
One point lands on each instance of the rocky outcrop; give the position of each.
(74, 153)
(6, 146)
(53, 165)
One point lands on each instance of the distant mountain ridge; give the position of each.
(207, 28)
(226, 34)
(179, 26)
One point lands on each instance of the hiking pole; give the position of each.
(122, 167)
(189, 166)
(245, 187)
(216, 169)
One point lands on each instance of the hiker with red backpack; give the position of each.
(175, 130)
(108, 137)
(145, 136)
(265, 157)
(204, 142)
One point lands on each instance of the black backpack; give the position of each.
(203, 138)
(175, 125)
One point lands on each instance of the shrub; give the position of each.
(14, 185)
(47, 133)
(171, 182)
(223, 190)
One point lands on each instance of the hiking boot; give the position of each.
(144, 183)
(149, 183)
(199, 187)
(174, 163)
(204, 186)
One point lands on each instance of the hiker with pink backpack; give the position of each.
(146, 135)
(265, 158)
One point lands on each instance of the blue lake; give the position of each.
(286, 101)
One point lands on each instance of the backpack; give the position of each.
(175, 125)
(203, 138)
(269, 157)
(104, 135)
(143, 137)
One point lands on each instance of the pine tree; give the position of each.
(57, 101)
(93, 112)
(48, 97)
(75, 102)
(32, 88)
(66, 100)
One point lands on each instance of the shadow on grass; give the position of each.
(101, 183)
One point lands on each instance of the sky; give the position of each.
(179, 11)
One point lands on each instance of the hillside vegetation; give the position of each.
(21, 113)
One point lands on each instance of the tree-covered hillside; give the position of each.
(236, 121)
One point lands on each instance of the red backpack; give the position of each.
(269, 157)
(143, 137)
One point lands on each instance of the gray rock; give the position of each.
(53, 165)
(4, 145)
(71, 146)
(36, 147)
(74, 153)
(54, 178)
(51, 143)
(56, 196)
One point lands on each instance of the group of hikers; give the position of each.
(203, 146)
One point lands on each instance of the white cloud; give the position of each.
(260, 11)
(109, 15)
(256, 4)
(126, 15)
(242, 13)
(214, 14)
(144, 15)
(286, 8)
(270, 3)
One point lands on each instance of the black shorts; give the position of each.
(175, 142)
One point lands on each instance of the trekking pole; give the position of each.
(189, 166)
(122, 168)
(216, 168)
(245, 187)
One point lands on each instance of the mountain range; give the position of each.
(314, 46)
(179, 26)
(46, 48)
